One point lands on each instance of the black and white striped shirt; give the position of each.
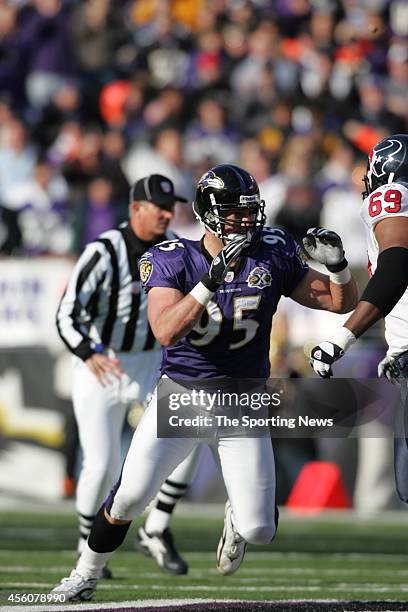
(104, 305)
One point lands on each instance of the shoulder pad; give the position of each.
(386, 201)
(175, 248)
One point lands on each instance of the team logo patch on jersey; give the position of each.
(259, 277)
(145, 269)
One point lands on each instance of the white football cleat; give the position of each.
(231, 547)
(75, 587)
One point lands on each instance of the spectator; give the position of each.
(112, 151)
(164, 156)
(46, 43)
(98, 33)
(96, 213)
(41, 203)
(300, 210)
(211, 135)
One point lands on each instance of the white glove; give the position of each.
(323, 356)
(388, 368)
(328, 352)
(325, 246)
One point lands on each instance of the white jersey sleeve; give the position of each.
(387, 201)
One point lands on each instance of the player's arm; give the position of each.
(173, 315)
(382, 293)
(335, 292)
(83, 284)
(318, 291)
(390, 280)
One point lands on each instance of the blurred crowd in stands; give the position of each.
(96, 93)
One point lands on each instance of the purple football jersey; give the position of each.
(232, 338)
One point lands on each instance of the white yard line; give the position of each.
(357, 586)
(251, 556)
(82, 607)
(125, 572)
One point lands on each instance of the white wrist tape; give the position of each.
(344, 338)
(201, 294)
(341, 278)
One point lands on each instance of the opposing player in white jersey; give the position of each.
(385, 215)
(102, 319)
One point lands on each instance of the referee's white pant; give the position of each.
(100, 413)
(247, 466)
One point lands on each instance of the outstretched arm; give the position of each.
(317, 290)
(383, 292)
(390, 279)
(335, 292)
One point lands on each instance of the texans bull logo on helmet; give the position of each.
(381, 156)
(387, 163)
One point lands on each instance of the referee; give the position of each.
(102, 319)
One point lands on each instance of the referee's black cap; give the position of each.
(155, 188)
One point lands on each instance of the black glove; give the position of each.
(223, 262)
(323, 356)
(326, 247)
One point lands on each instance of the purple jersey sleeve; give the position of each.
(163, 266)
(295, 266)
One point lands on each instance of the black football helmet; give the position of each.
(223, 189)
(387, 163)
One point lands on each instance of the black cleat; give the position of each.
(106, 573)
(161, 547)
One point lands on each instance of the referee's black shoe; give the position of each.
(106, 573)
(161, 547)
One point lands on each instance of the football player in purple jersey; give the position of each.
(210, 304)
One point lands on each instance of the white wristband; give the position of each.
(344, 338)
(201, 294)
(341, 278)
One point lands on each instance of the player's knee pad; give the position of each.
(262, 534)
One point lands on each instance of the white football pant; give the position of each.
(100, 413)
(247, 466)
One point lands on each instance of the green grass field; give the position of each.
(311, 558)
